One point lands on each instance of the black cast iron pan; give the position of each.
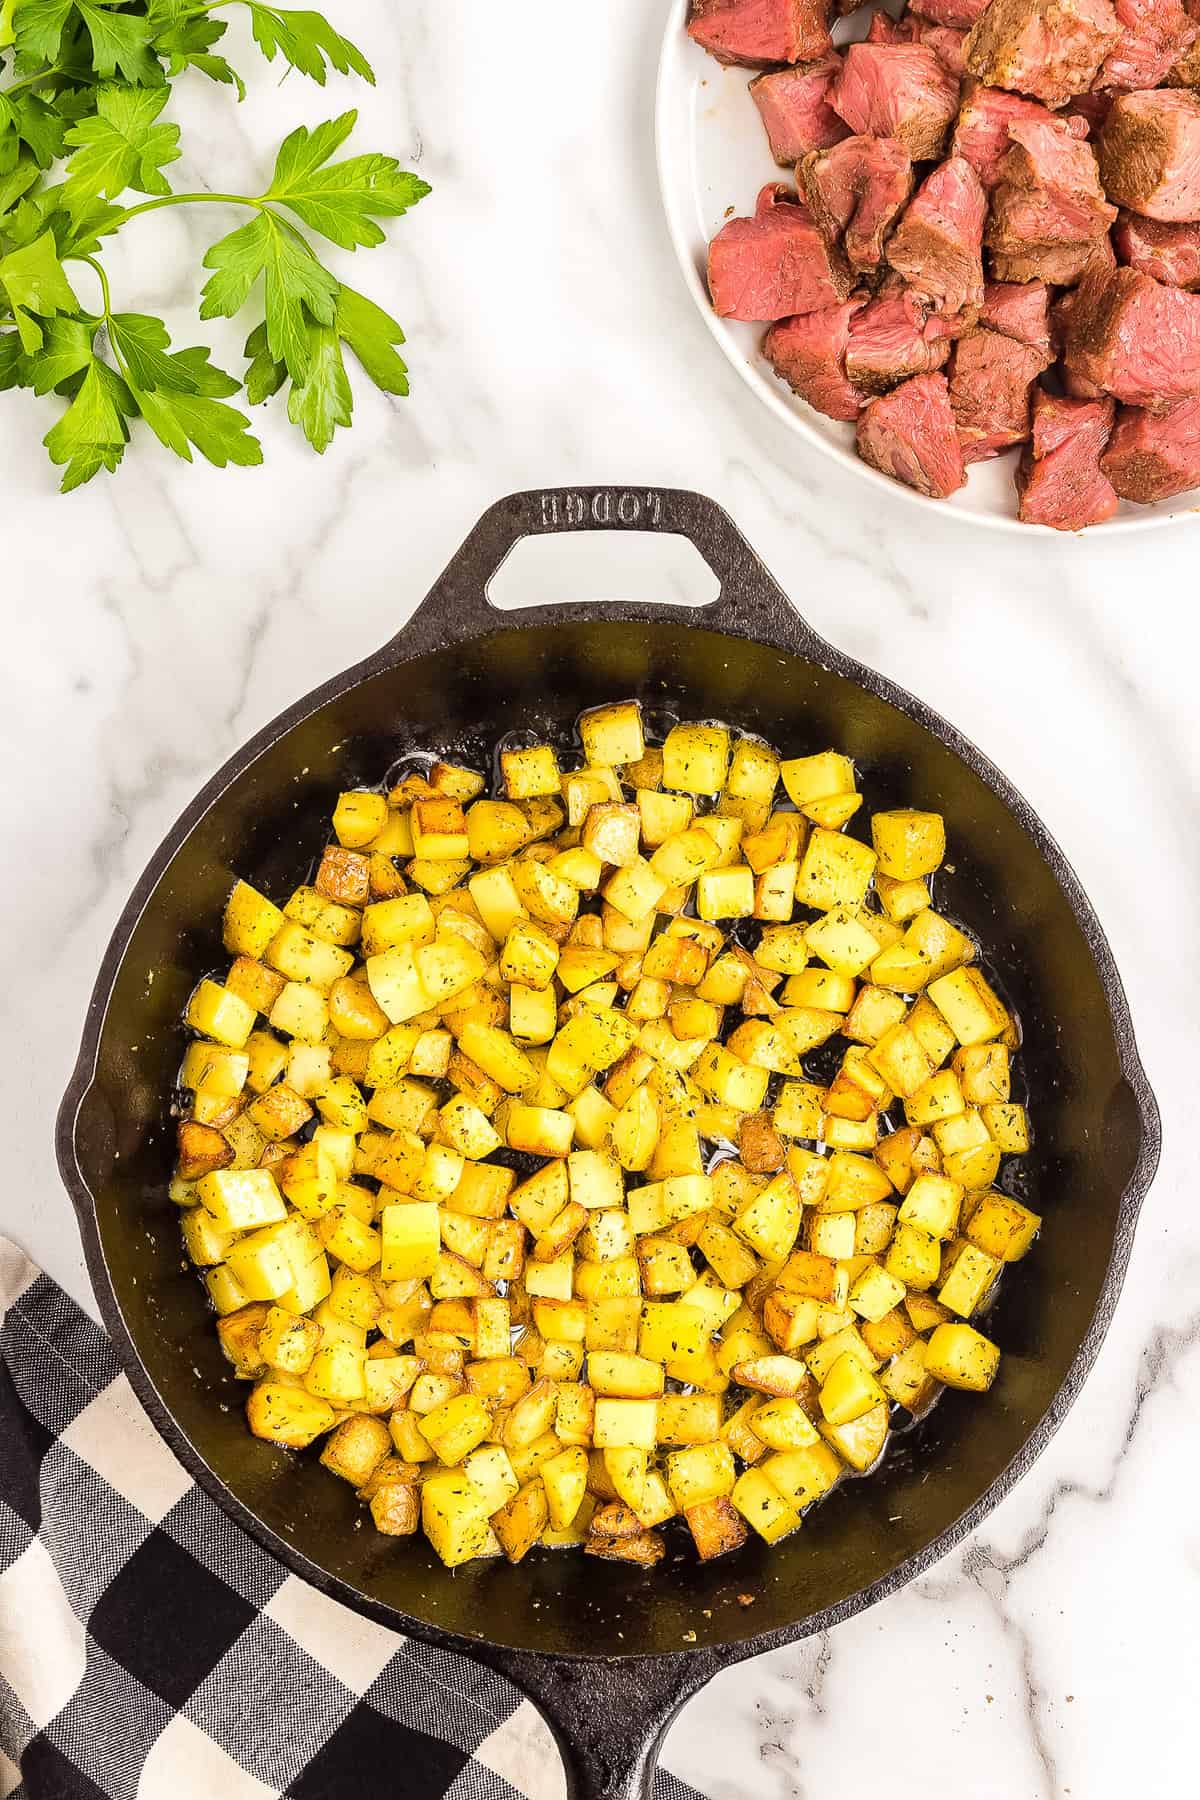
(608, 1653)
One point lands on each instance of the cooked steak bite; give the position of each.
(946, 42)
(949, 44)
(1153, 456)
(1018, 309)
(981, 134)
(775, 264)
(1171, 253)
(937, 246)
(1062, 265)
(1154, 35)
(1059, 479)
(990, 392)
(809, 353)
(1049, 189)
(760, 33)
(855, 191)
(795, 110)
(903, 91)
(960, 13)
(1150, 153)
(890, 341)
(1048, 48)
(1086, 114)
(910, 435)
(1131, 337)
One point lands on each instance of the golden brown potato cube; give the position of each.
(456, 783)
(520, 1523)
(254, 983)
(971, 1007)
(612, 831)
(716, 1527)
(201, 1150)
(356, 1448)
(962, 1357)
(914, 1257)
(983, 1072)
(279, 1113)
(396, 1508)
(1002, 1226)
(909, 844)
(287, 1415)
(531, 773)
(783, 1376)
(239, 1333)
(889, 1336)
(874, 1012)
(645, 1549)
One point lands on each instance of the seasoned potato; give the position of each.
(507, 1164)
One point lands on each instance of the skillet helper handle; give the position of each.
(609, 1719)
(750, 603)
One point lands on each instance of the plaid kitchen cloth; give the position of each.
(149, 1650)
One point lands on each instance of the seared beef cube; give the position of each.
(990, 388)
(1153, 456)
(794, 107)
(775, 264)
(809, 353)
(962, 14)
(1171, 253)
(910, 435)
(855, 191)
(1086, 114)
(1048, 48)
(1062, 265)
(1059, 480)
(897, 90)
(1150, 153)
(937, 246)
(891, 341)
(759, 33)
(981, 134)
(1018, 309)
(949, 45)
(1132, 338)
(1049, 190)
(883, 29)
(947, 42)
(1154, 35)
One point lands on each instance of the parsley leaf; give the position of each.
(307, 41)
(341, 200)
(293, 279)
(371, 333)
(220, 433)
(92, 433)
(39, 28)
(120, 40)
(33, 279)
(185, 36)
(322, 401)
(120, 146)
(264, 376)
(66, 351)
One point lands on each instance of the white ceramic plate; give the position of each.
(712, 160)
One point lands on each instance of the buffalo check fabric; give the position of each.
(149, 1650)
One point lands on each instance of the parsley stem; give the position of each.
(32, 80)
(131, 212)
(98, 270)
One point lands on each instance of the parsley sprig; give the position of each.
(83, 87)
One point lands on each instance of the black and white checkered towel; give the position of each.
(150, 1651)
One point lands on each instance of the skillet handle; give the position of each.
(750, 604)
(609, 1719)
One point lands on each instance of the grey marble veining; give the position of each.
(156, 620)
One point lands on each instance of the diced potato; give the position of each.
(763, 1506)
(860, 1441)
(356, 1448)
(696, 759)
(972, 1273)
(803, 1476)
(287, 1415)
(455, 1520)
(962, 1357)
(1002, 1227)
(932, 1203)
(909, 844)
(625, 1424)
(971, 1008)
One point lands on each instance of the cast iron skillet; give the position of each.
(608, 1653)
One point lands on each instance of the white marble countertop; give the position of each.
(155, 620)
